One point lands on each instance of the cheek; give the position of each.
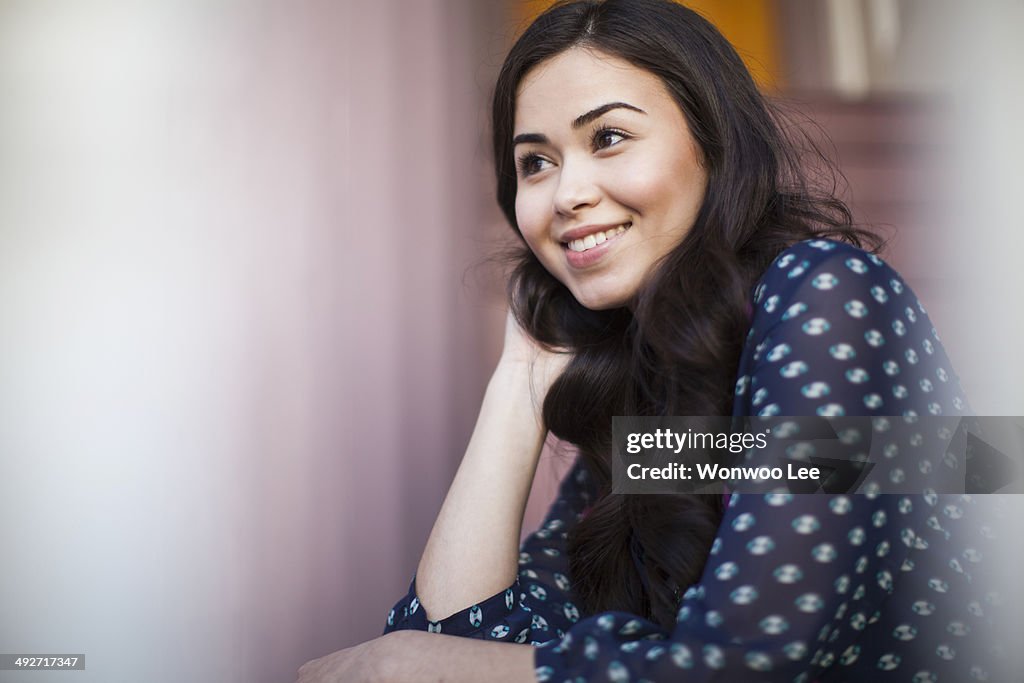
(662, 188)
(642, 191)
(643, 182)
(531, 219)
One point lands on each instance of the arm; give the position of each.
(538, 606)
(472, 550)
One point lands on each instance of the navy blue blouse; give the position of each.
(797, 587)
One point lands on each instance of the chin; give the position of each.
(600, 301)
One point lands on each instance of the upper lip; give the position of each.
(584, 230)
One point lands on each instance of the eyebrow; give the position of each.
(578, 122)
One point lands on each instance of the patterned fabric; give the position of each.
(797, 587)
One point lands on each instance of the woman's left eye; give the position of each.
(607, 137)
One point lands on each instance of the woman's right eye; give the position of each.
(529, 164)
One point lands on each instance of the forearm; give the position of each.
(473, 548)
(416, 656)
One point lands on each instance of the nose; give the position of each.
(576, 189)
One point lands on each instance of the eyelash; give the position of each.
(525, 162)
(606, 130)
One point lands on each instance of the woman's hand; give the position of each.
(362, 663)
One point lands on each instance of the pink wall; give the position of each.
(242, 343)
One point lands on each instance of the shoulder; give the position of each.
(809, 253)
(825, 275)
(824, 265)
(836, 331)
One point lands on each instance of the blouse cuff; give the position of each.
(489, 618)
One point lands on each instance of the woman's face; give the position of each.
(609, 179)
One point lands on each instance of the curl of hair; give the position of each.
(675, 349)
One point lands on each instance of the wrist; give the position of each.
(513, 406)
(388, 653)
(530, 376)
(514, 365)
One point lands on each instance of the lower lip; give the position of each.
(585, 259)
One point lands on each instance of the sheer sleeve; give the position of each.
(538, 606)
(795, 585)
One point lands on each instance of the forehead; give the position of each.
(575, 81)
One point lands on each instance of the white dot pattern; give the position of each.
(820, 588)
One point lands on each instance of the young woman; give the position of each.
(676, 262)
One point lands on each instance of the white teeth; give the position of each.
(591, 241)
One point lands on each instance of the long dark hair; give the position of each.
(675, 349)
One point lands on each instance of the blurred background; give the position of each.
(247, 313)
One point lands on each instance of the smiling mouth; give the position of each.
(597, 238)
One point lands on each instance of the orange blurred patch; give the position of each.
(748, 24)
